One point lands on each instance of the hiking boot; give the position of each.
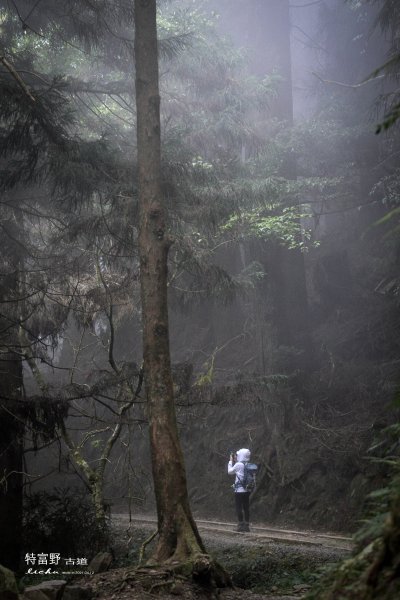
(240, 527)
(245, 527)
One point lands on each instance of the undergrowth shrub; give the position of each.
(63, 521)
(372, 572)
(262, 570)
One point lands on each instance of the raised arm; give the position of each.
(232, 464)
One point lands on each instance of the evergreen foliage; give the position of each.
(68, 250)
(388, 20)
(372, 571)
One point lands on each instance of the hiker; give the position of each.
(237, 465)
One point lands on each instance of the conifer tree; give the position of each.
(179, 540)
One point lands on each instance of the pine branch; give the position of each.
(17, 77)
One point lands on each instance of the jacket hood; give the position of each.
(243, 455)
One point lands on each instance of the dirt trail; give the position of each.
(288, 558)
(259, 533)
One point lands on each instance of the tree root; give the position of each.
(161, 584)
(146, 543)
(201, 569)
(204, 571)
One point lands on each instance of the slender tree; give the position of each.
(179, 540)
(287, 266)
(263, 26)
(11, 423)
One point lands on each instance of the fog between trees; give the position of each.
(283, 283)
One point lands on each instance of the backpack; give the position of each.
(249, 477)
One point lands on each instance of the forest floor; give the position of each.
(269, 563)
(260, 533)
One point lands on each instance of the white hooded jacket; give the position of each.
(242, 456)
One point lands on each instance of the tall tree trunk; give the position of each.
(11, 415)
(179, 540)
(287, 266)
(11, 453)
(263, 27)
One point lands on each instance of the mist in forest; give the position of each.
(280, 182)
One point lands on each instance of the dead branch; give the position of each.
(347, 85)
(17, 77)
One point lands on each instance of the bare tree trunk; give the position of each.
(11, 414)
(179, 540)
(263, 26)
(11, 478)
(287, 266)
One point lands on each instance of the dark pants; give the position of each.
(242, 505)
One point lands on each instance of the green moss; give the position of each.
(8, 585)
(184, 569)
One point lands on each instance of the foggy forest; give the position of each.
(199, 299)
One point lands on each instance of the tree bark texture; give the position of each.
(11, 467)
(11, 415)
(178, 535)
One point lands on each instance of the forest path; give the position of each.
(283, 561)
(259, 533)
